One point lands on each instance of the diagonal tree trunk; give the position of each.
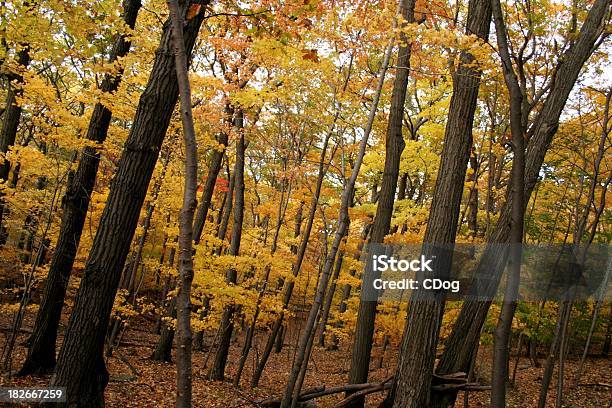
(81, 367)
(10, 124)
(301, 252)
(300, 364)
(282, 207)
(364, 331)
(41, 353)
(129, 278)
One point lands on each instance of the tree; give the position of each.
(415, 368)
(80, 366)
(301, 252)
(362, 346)
(300, 363)
(183, 296)
(517, 220)
(211, 178)
(41, 352)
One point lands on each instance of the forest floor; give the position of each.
(137, 381)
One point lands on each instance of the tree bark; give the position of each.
(41, 353)
(185, 278)
(415, 368)
(10, 124)
(130, 272)
(81, 367)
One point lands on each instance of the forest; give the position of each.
(201, 202)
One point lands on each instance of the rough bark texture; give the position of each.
(226, 326)
(41, 353)
(466, 331)
(12, 113)
(364, 330)
(185, 278)
(418, 350)
(128, 281)
(81, 367)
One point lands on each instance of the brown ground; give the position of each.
(151, 384)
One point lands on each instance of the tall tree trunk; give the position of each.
(596, 309)
(412, 387)
(472, 204)
(551, 358)
(227, 212)
(401, 195)
(394, 146)
(41, 353)
(226, 326)
(504, 325)
(185, 278)
(346, 290)
(81, 367)
(466, 331)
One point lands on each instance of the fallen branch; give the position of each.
(441, 383)
(599, 384)
(378, 388)
(322, 391)
(460, 387)
(454, 378)
(133, 369)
